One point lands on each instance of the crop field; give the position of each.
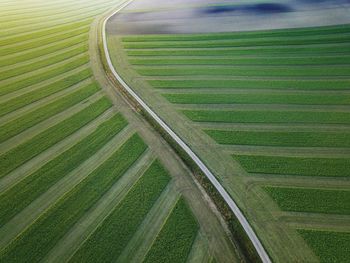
(83, 177)
(268, 112)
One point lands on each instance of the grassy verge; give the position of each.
(307, 166)
(168, 247)
(328, 246)
(308, 200)
(108, 241)
(40, 237)
(259, 98)
(39, 143)
(27, 120)
(291, 139)
(30, 97)
(45, 75)
(26, 191)
(266, 116)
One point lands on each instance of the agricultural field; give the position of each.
(83, 176)
(268, 112)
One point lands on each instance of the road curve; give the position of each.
(233, 206)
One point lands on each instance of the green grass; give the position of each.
(41, 42)
(174, 242)
(43, 51)
(331, 60)
(265, 116)
(244, 71)
(44, 75)
(248, 42)
(30, 97)
(308, 200)
(316, 31)
(29, 119)
(31, 187)
(39, 143)
(259, 98)
(37, 240)
(329, 84)
(42, 63)
(329, 246)
(272, 138)
(108, 241)
(307, 166)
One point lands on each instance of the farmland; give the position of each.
(268, 113)
(83, 176)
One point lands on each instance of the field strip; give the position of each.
(30, 214)
(38, 72)
(41, 159)
(264, 107)
(34, 105)
(200, 251)
(76, 236)
(47, 82)
(317, 221)
(137, 247)
(287, 151)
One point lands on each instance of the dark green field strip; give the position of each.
(28, 98)
(44, 75)
(308, 200)
(329, 84)
(41, 42)
(311, 31)
(259, 98)
(265, 116)
(329, 246)
(42, 63)
(112, 236)
(174, 242)
(316, 50)
(24, 152)
(290, 139)
(43, 33)
(28, 120)
(305, 166)
(246, 71)
(331, 60)
(26, 191)
(253, 42)
(43, 51)
(40, 237)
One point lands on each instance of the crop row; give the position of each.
(267, 116)
(288, 138)
(260, 98)
(245, 71)
(303, 166)
(242, 61)
(45, 74)
(112, 236)
(308, 200)
(329, 246)
(30, 97)
(26, 151)
(42, 63)
(27, 120)
(41, 236)
(168, 247)
(27, 190)
(300, 32)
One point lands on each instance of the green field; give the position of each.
(274, 100)
(83, 177)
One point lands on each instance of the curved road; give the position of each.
(233, 206)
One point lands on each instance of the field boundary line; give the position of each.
(227, 198)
